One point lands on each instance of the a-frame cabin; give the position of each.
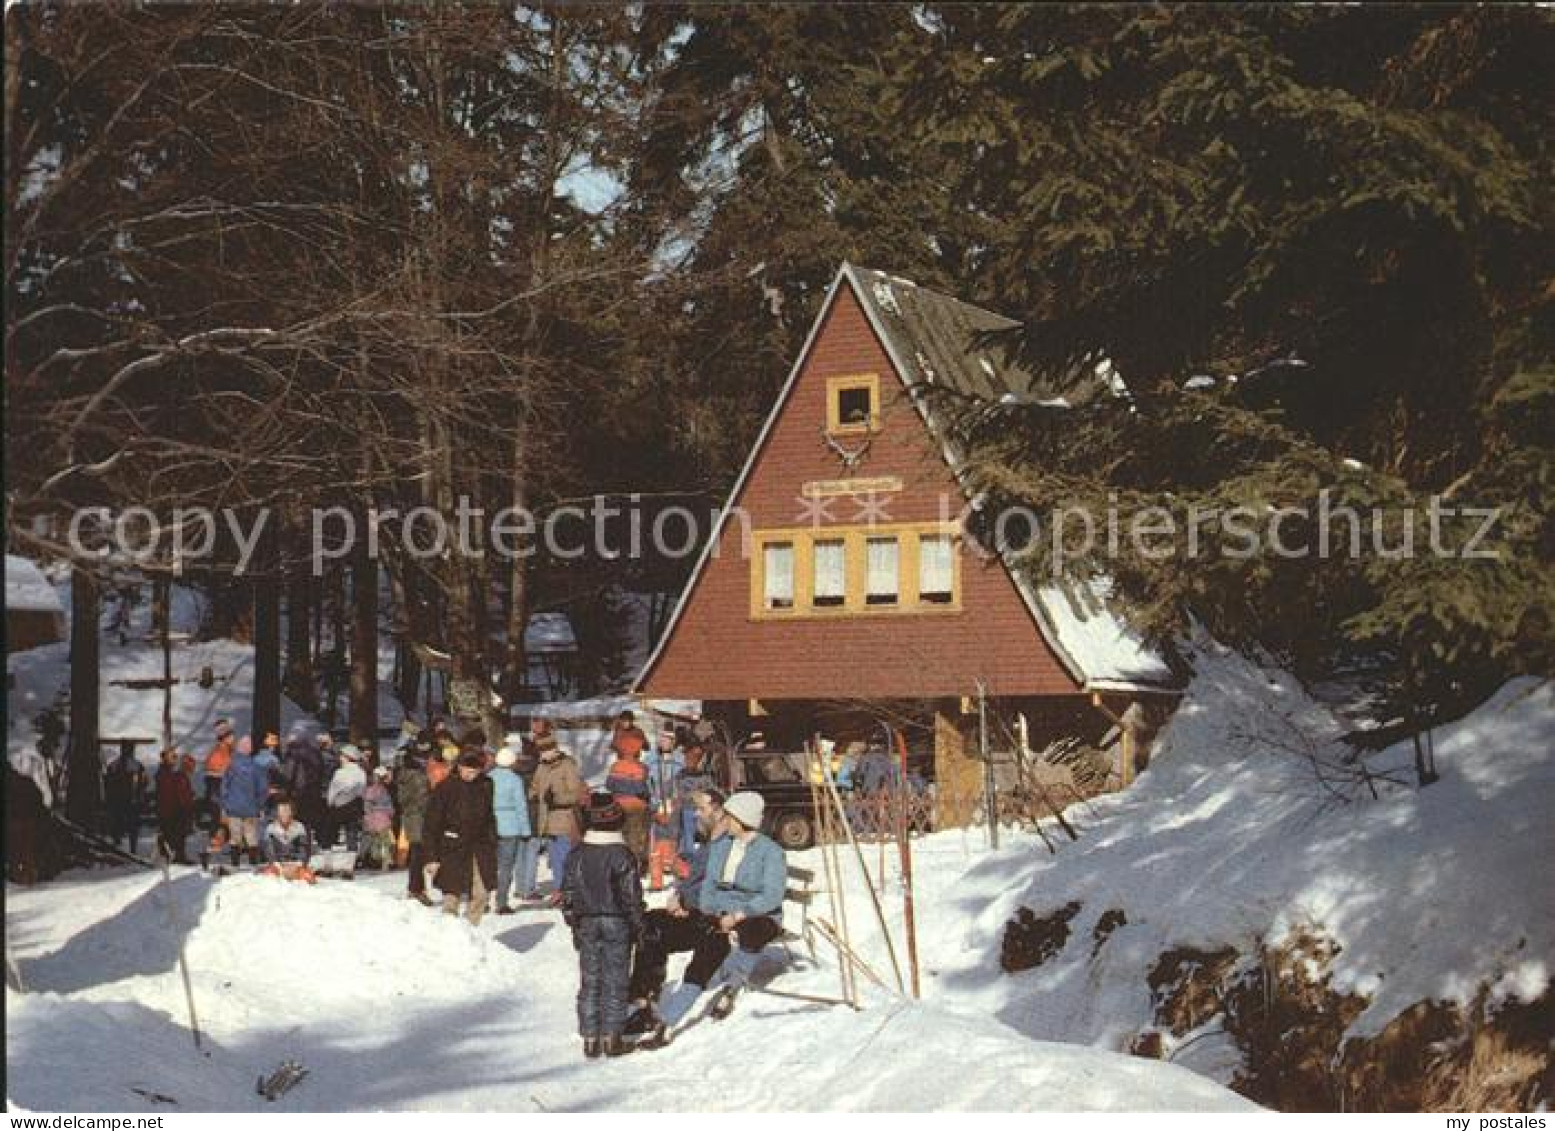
(837, 582)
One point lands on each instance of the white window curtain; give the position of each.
(936, 569)
(882, 571)
(831, 573)
(778, 575)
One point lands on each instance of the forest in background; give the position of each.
(342, 256)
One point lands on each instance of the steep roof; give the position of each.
(943, 341)
(931, 337)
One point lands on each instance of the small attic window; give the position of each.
(853, 404)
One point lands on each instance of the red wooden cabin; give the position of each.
(837, 583)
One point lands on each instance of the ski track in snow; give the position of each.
(394, 1006)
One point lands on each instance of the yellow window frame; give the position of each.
(835, 387)
(803, 540)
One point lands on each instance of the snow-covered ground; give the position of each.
(1228, 840)
(394, 1006)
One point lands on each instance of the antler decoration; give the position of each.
(850, 459)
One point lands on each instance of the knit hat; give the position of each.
(605, 813)
(506, 757)
(747, 808)
(350, 753)
(513, 740)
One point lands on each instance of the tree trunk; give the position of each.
(162, 628)
(364, 643)
(299, 658)
(515, 660)
(267, 642)
(84, 764)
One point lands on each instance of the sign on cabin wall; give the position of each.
(830, 488)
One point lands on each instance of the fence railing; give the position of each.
(878, 816)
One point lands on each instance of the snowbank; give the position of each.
(27, 590)
(1228, 840)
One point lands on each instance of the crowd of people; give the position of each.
(473, 821)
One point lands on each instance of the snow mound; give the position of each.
(1231, 839)
(332, 939)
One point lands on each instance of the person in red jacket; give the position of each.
(219, 759)
(627, 782)
(175, 808)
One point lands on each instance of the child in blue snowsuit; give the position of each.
(602, 902)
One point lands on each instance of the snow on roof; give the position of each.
(26, 589)
(609, 706)
(1104, 653)
(550, 632)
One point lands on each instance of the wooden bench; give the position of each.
(800, 891)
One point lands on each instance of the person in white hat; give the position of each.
(742, 895)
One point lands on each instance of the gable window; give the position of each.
(830, 583)
(853, 404)
(894, 569)
(777, 571)
(936, 570)
(882, 584)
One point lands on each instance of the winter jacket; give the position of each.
(348, 785)
(629, 741)
(876, 772)
(559, 789)
(759, 882)
(287, 844)
(663, 769)
(438, 771)
(510, 800)
(377, 809)
(628, 783)
(123, 785)
(175, 794)
(411, 791)
(244, 788)
(302, 774)
(689, 782)
(528, 762)
(218, 760)
(461, 834)
(601, 882)
(689, 890)
(270, 765)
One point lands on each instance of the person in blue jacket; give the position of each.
(244, 790)
(510, 801)
(741, 898)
